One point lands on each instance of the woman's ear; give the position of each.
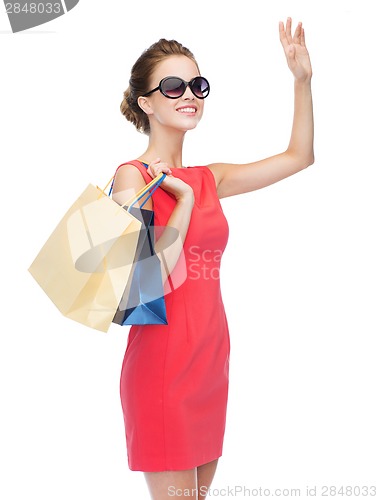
(144, 104)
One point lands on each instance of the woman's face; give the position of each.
(183, 113)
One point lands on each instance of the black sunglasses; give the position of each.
(174, 87)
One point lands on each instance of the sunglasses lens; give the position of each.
(173, 87)
(200, 87)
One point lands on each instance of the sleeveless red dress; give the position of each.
(174, 378)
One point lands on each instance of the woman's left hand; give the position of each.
(297, 55)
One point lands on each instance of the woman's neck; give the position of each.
(166, 145)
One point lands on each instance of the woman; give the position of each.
(174, 380)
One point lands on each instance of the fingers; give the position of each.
(297, 34)
(285, 34)
(303, 40)
(288, 31)
(156, 166)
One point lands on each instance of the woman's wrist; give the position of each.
(302, 83)
(186, 198)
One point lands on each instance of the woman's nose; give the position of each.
(188, 94)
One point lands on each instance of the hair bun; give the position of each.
(128, 109)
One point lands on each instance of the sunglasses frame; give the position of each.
(160, 87)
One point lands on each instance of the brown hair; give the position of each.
(139, 83)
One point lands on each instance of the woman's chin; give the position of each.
(189, 125)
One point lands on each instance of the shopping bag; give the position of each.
(143, 301)
(85, 264)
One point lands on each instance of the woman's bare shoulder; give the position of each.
(128, 181)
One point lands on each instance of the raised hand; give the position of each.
(297, 55)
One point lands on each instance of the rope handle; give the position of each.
(154, 183)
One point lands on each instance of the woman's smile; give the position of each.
(187, 110)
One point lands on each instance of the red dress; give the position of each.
(174, 378)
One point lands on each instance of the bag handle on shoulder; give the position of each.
(154, 183)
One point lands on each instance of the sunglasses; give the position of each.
(174, 87)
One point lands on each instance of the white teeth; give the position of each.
(186, 110)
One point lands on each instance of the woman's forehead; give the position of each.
(178, 65)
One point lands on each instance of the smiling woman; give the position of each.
(174, 377)
(141, 74)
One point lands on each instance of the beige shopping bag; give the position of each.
(85, 264)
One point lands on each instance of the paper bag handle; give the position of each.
(155, 183)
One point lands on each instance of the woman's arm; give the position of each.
(232, 179)
(168, 247)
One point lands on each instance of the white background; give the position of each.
(299, 275)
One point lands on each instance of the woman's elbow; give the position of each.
(308, 160)
(311, 160)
